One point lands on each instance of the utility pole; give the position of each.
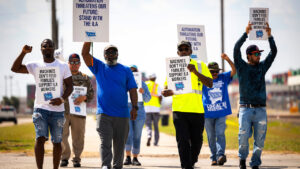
(5, 78)
(54, 24)
(222, 32)
(11, 77)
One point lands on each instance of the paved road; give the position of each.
(20, 121)
(164, 156)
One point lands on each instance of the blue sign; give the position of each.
(259, 34)
(193, 56)
(48, 96)
(90, 34)
(77, 109)
(179, 86)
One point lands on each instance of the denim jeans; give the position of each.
(134, 136)
(44, 120)
(152, 117)
(252, 120)
(215, 130)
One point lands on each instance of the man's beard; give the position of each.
(48, 55)
(111, 62)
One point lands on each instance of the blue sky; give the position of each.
(145, 32)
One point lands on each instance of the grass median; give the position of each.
(281, 136)
(17, 138)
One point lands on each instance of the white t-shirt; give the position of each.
(151, 109)
(56, 83)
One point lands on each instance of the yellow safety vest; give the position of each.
(192, 102)
(154, 101)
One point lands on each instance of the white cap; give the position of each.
(152, 75)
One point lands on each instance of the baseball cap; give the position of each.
(109, 47)
(253, 49)
(133, 66)
(74, 55)
(187, 43)
(152, 75)
(213, 66)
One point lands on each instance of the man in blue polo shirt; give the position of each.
(217, 107)
(252, 85)
(113, 82)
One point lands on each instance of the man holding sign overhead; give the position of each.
(252, 85)
(49, 109)
(188, 111)
(75, 113)
(114, 80)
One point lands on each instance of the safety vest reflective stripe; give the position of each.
(154, 90)
(197, 91)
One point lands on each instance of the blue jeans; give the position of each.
(134, 136)
(252, 120)
(44, 119)
(215, 129)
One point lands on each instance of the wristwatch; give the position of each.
(62, 99)
(135, 107)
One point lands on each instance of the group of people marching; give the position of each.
(120, 123)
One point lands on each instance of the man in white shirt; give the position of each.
(49, 109)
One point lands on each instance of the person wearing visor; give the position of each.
(74, 121)
(252, 86)
(188, 110)
(217, 106)
(114, 80)
(133, 142)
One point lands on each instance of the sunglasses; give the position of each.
(74, 62)
(256, 54)
(112, 52)
(214, 71)
(183, 49)
(47, 46)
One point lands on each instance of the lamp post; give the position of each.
(222, 32)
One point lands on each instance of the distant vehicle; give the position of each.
(8, 113)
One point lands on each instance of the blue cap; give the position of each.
(74, 55)
(133, 66)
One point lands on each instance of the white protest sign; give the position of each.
(90, 20)
(196, 35)
(258, 19)
(178, 76)
(77, 109)
(47, 84)
(138, 81)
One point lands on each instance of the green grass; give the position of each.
(17, 138)
(281, 136)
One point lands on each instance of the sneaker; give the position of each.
(104, 167)
(148, 142)
(136, 162)
(127, 161)
(64, 163)
(214, 163)
(242, 164)
(255, 167)
(76, 164)
(222, 160)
